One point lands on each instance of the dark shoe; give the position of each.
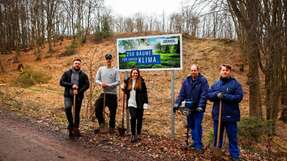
(139, 137)
(134, 139)
(191, 146)
(77, 132)
(71, 133)
(199, 151)
(235, 159)
(100, 129)
(111, 130)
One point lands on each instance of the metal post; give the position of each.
(127, 111)
(172, 104)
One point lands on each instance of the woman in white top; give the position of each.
(137, 100)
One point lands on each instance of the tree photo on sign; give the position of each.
(155, 52)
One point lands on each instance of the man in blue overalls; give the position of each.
(194, 89)
(228, 92)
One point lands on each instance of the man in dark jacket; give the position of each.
(228, 92)
(76, 82)
(194, 89)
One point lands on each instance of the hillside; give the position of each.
(208, 54)
(45, 101)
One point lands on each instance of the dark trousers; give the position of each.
(231, 130)
(112, 103)
(136, 120)
(68, 102)
(194, 123)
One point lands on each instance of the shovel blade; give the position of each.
(217, 153)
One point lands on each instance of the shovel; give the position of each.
(122, 129)
(217, 150)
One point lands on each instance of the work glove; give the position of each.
(199, 109)
(145, 106)
(175, 107)
(220, 95)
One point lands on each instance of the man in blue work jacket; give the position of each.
(228, 92)
(194, 89)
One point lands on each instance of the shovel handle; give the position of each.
(219, 123)
(123, 117)
(74, 107)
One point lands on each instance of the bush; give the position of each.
(30, 77)
(99, 36)
(71, 49)
(252, 129)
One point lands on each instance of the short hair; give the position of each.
(77, 59)
(227, 66)
(108, 56)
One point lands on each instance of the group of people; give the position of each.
(226, 94)
(76, 82)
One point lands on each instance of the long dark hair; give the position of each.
(138, 84)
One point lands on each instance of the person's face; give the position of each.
(194, 71)
(77, 65)
(135, 74)
(109, 62)
(224, 72)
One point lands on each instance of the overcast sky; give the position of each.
(147, 7)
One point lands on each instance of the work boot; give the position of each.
(139, 137)
(235, 159)
(100, 129)
(134, 139)
(111, 130)
(77, 132)
(71, 132)
(199, 151)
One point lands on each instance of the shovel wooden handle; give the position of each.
(74, 107)
(219, 123)
(123, 116)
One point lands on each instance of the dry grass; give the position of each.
(47, 100)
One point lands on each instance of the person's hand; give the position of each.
(175, 107)
(199, 109)
(75, 86)
(105, 85)
(145, 106)
(220, 95)
(75, 91)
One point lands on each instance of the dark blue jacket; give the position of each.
(196, 90)
(232, 96)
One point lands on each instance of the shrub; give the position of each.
(31, 77)
(252, 129)
(71, 49)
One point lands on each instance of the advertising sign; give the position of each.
(161, 52)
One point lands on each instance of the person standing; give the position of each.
(76, 82)
(194, 89)
(227, 94)
(108, 78)
(137, 101)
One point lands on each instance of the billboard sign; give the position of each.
(161, 52)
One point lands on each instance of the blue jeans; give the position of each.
(194, 123)
(231, 129)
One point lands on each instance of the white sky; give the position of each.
(147, 7)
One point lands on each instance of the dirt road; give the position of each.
(23, 140)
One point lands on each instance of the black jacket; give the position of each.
(141, 94)
(66, 82)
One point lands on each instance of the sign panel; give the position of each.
(161, 52)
